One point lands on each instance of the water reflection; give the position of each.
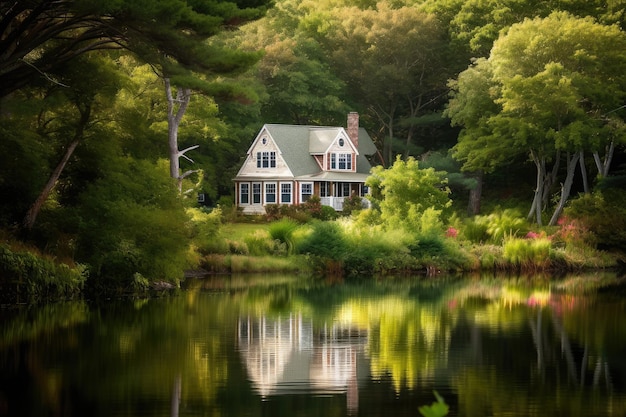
(283, 356)
(240, 346)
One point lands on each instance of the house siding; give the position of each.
(309, 150)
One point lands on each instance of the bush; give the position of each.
(328, 213)
(495, 227)
(527, 253)
(257, 244)
(34, 277)
(205, 229)
(282, 231)
(597, 219)
(351, 204)
(326, 240)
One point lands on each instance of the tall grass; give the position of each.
(282, 231)
(527, 253)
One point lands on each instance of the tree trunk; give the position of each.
(33, 211)
(603, 166)
(176, 108)
(583, 172)
(550, 180)
(566, 187)
(35, 208)
(475, 195)
(540, 164)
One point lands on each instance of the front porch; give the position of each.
(337, 202)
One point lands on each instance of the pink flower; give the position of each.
(532, 235)
(452, 232)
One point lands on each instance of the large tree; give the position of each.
(395, 62)
(552, 88)
(36, 36)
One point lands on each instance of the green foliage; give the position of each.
(327, 213)
(26, 274)
(602, 214)
(132, 220)
(326, 240)
(527, 253)
(282, 231)
(405, 193)
(352, 204)
(257, 244)
(436, 409)
(371, 249)
(205, 230)
(495, 227)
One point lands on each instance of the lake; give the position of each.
(294, 346)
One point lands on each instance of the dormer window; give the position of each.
(341, 161)
(266, 159)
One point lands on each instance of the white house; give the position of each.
(287, 164)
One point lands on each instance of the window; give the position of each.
(256, 193)
(306, 191)
(324, 189)
(343, 189)
(341, 142)
(341, 161)
(270, 193)
(266, 159)
(244, 193)
(285, 193)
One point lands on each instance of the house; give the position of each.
(287, 164)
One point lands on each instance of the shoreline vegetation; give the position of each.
(289, 240)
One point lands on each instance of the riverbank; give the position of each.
(317, 248)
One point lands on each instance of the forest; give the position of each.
(115, 115)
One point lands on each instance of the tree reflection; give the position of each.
(242, 346)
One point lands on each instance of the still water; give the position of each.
(293, 346)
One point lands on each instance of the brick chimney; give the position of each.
(353, 128)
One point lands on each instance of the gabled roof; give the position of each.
(296, 148)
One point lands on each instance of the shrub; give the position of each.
(205, 230)
(35, 276)
(495, 227)
(328, 213)
(326, 240)
(351, 204)
(257, 244)
(527, 253)
(282, 231)
(597, 218)
(313, 207)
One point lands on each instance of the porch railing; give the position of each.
(337, 202)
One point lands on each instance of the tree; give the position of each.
(552, 85)
(38, 36)
(394, 61)
(404, 192)
(73, 115)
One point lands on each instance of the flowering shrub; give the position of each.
(574, 232)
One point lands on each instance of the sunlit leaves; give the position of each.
(405, 192)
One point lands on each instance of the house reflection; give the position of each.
(290, 356)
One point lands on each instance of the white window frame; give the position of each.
(266, 193)
(290, 192)
(266, 159)
(302, 193)
(259, 193)
(246, 193)
(339, 159)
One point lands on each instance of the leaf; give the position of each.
(436, 409)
